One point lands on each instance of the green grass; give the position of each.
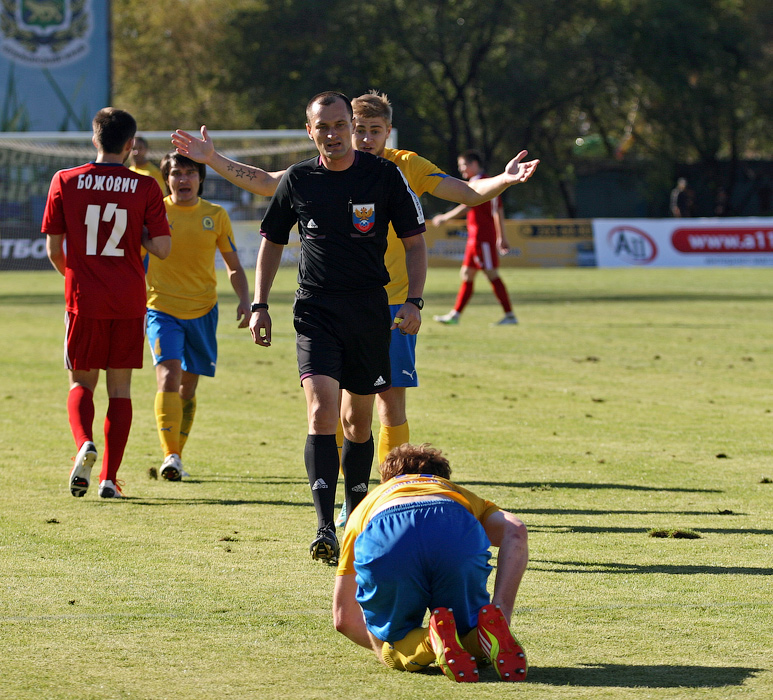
(626, 401)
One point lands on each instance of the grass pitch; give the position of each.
(625, 402)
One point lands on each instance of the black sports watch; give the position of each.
(418, 302)
(256, 306)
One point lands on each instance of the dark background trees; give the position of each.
(640, 88)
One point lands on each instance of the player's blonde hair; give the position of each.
(373, 105)
(414, 459)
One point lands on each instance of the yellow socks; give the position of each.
(169, 415)
(470, 643)
(390, 437)
(189, 411)
(411, 653)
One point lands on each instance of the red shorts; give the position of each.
(481, 255)
(99, 343)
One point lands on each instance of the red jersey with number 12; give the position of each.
(101, 209)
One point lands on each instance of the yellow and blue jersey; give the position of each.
(399, 487)
(151, 170)
(183, 285)
(422, 176)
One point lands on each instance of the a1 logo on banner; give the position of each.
(631, 245)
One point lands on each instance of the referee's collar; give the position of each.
(357, 155)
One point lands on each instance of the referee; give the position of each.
(342, 202)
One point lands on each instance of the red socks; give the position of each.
(465, 292)
(118, 423)
(501, 293)
(80, 411)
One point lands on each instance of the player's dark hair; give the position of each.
(112, 129)
(142, 140)
(414, 459)
(172, 159)
(473, 156)
(328, 98)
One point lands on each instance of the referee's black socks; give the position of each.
(321, 457)
(356, 462)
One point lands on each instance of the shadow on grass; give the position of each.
(268, 480)
(245, 478)
(634, 676)
(596, 511)
(611, 567)
(167, 501)
(582, 485)
(638, 530)
(24, 299)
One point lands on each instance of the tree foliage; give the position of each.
(670, 81)
(167, 70)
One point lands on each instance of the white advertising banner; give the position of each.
(737, 242)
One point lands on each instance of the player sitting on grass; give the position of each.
(420, 542)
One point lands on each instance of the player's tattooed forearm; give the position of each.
(242, 172)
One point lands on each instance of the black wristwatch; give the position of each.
(418, 302)
(257, 306)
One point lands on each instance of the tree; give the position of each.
(673, 80)
(167, 70)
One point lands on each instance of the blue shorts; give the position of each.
(402, 355)
(417, 556)
(193, 341)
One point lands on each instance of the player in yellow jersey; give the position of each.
(139, 163)
(420, 542)
(182, 303)
(373, 125)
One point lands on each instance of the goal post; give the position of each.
(28, 161)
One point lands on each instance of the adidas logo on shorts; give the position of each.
(319, 484)
(380, 381)
(360, 488)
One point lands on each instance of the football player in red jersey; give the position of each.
(105, 214)
(485, 241)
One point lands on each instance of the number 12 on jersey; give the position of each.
(94, 215)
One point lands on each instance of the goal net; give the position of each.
(28, 161)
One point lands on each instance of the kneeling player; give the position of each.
(421, 542)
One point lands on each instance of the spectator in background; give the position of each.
(722, 203)
(679, 205)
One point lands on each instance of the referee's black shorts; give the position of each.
(346, 338)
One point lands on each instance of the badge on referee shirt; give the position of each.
(364, 217)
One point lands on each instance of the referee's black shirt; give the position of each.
(342, 248)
